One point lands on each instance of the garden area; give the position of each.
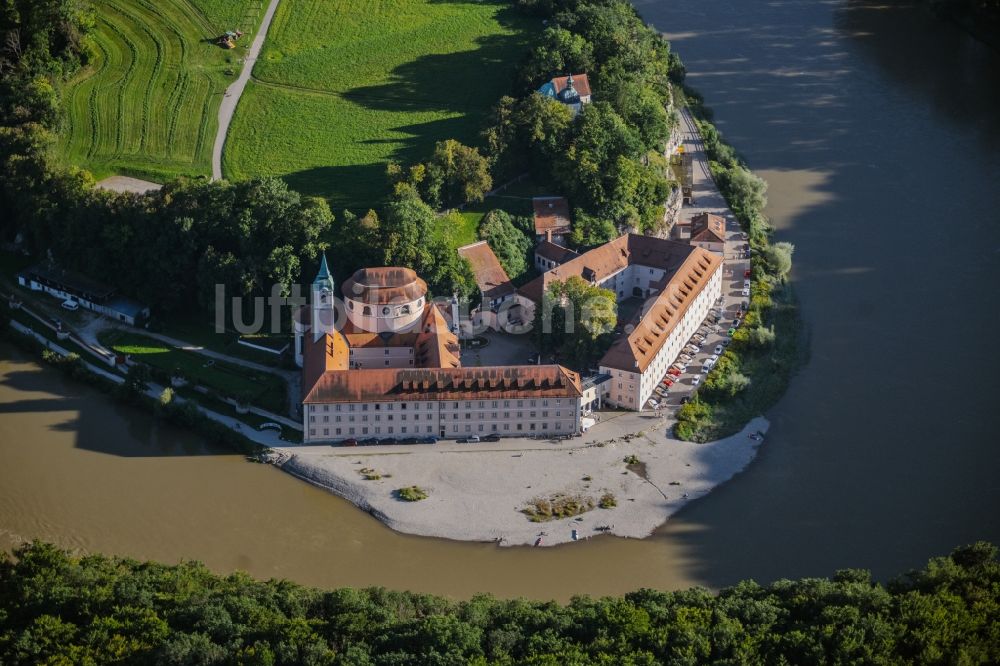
(261, 389)
(342, 87)
(147, 103)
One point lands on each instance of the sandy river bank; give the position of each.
(476, 491)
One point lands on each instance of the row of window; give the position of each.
(390, 406)
(415, 430)
(416, 416)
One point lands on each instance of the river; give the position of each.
(878, 129)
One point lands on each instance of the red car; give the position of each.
(350, 442)
(746, 274)
(668, 383)
(674, 371)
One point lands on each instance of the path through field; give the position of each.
(235, 90)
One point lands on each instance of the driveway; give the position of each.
(232, 95)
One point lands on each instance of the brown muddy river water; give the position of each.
(879, 132)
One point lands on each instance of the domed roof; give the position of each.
(388, 284)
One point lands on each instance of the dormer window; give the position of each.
(386, 310)
(367, 310)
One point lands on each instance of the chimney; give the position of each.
(548, 235)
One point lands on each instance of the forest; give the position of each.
(57, 608)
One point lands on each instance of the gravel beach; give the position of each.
(476, 492)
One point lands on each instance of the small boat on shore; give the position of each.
(575, 535)
(538, 541)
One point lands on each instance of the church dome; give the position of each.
(391, 284)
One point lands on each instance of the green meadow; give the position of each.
(147, 103)
(343, 86)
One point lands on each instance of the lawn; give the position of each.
(262, 389)
(147, 104)
(345, 85)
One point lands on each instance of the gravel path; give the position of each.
(235, 90)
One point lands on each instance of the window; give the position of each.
(532, 426)
(480, 427)
(351, 431)
(506, 426)
(468, 428)
(312, 432)
(520, 426)
(367, 310)
(338, 431)
(428, 428)
(545, 426)
(326, 432)
(326, 419)
(326, 408)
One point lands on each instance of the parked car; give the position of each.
(725, 343)
(70, 304)
(746, 291)
(388, 441)
(691, 349)
(713, 359)
(685, 358)
(662, 392)
(680, 366)
(428, 440)
(730, 332)
(685, 400)
(668, 382)
(349, 442)
(699, 338)
(491, 438)
(471, 439)
(696, 380)
(746, 274)
(653, 402)
(408, 440)
(368, 441)
(674, 371)
(718, 349)
(737, 322)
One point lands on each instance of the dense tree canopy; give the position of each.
(508, 239)
(55, 608)
(575, 320)
(608, 159)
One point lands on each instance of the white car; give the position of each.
(662, 392)
(745, 292)
(685, 358)
(653, 403)
(692, 349)
(746, 284)
(718, 349)
(696, 380)
(713, 359)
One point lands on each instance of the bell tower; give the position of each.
(322, 301)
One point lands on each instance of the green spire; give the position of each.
(323, 278)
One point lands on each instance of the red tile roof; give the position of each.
(605, 260)
(490, 275)
(386, 284)
(551, 214)
(580, 84)
(556, 253)
(708, 228)
(637, 350)
(405, 384)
